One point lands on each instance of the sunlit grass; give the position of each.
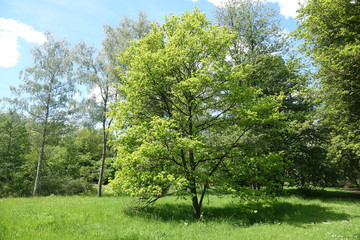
(310, 215)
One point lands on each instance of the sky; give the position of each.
(23, 23)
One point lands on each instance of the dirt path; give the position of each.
(354, 190)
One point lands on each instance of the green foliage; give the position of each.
(184, 113)
(14, 146)
(97, 71)
(83, 155)
(330, 29)
(257, 27)
(48, 85)
(72, 166)
(62, 185)
(310, 166)
(261, 43)
(195, 107)
(47, 92)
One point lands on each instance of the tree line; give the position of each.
(192, 105)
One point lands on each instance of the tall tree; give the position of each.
(48, 90)
(330, 30)
(97, 71)
(262, 44)
(183, 112)
(257, 27)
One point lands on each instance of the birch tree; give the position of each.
(257, 27)
(97, 71)
(47, 91)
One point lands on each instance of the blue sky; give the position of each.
(22, 23)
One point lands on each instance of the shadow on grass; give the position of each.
(281, 212)
(300, 214)
(324, 195)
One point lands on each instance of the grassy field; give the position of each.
(331, 214)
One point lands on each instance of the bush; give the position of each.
(62, 185)
(17, 187)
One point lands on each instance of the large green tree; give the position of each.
(331, 30)
(184, 113)
(47, 91)
(262, 44)
(97, 71)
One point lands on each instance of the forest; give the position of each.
(233, 105)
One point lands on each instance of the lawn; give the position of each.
(330, 214)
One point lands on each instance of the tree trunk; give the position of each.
(103, 156)
(195, 202)
(37, 179)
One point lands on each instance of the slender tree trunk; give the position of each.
(206, 185)
(195, 203)
(103, 156)
(37, 179)
(195, 200)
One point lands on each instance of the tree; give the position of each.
(183, 112)
(47, 91)
(330, 31)
(71, 166)
(83, 155)
(97, 71)
(14, 145)
(257, 27)
(262, 44)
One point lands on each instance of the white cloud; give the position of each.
(287, 7)
(8, 49)
(95, 94)
(217, 3)
(10, 30)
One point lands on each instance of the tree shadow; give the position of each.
(163, 212)
(281, 212)
(301, 214)
(323, 195)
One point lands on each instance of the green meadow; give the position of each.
(320, 214)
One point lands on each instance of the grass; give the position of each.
(330, 214)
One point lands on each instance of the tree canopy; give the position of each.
(183, 112)
(331, 30)
(98, 73)
(48, 90)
